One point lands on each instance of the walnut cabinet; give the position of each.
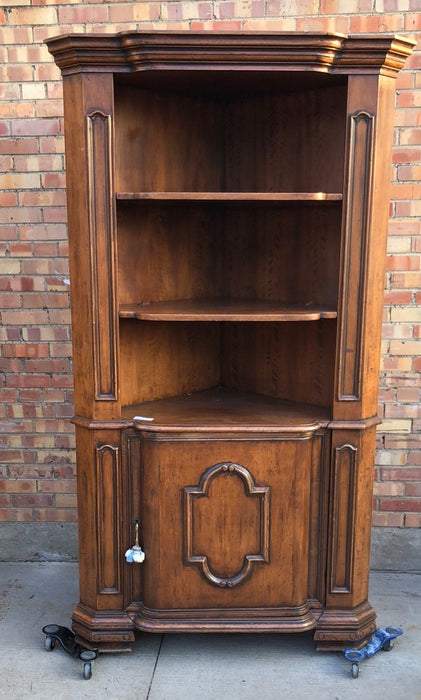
(228, 206)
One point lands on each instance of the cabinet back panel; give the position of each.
(290, 142)
(285, 254)
(167, 142)
(168, 253)
(292, 361)
(159, 360)
(283, 141)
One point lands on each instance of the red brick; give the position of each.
(405, 80)
(35, 500)
(401, 505)
(20, 250)
(78, 14)
(8, 199)
(402, 280)
(32, 15)
(402, 411)
(376, 23)
(404, 228)
(409, 98)
(401, 442)
(7, 301)
(402, 474)
(17, 486)
(403, 262)
(410, 137)
(57, 486)
(15, 73)
(55, 215)
(54, 180)
(47, 366)
(406, 155)
(389, 488)
(388, 520)
(397, 297)
(65, 441)
(323, 24)
(42, 232)
(13, 110)
(10, 366)
(16, 146)
(36, 127)
(25, 350)
(27, 381)
(347, 7)
(55, 515)
(413, 489)
(408, 394)
(22, 215)
(16, 515)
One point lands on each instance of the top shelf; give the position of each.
(225, 310)
(242, 197)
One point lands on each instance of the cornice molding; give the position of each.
(128, 52)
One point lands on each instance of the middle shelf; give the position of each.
(225, 310)
(231, 197)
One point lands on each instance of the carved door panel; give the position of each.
(229, 524)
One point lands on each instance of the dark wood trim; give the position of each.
(265, 51)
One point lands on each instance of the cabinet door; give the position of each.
(230, 524)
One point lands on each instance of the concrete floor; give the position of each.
(197, 667)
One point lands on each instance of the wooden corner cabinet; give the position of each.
(228, 208)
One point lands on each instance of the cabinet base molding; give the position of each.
(108, 631)
(337, 629)
(295, 619)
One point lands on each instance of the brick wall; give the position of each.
(37, 472)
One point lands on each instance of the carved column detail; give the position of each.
(259, 535)
(108, 479)
(343, 518)
(354, 261)
(102, 251)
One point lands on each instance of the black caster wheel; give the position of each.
(87, 657)
(388, 646)
(49, 643)
(87, 671)
(355, 670)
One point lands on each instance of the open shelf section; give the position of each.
(225, 410)
(242, 197)
(224, 310)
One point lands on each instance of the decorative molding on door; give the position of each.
(108, 479)
(343, 518)
(356, 224)
(102, 251)
(262, 493)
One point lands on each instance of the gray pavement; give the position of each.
(197, 667)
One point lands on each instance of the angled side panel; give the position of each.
(343, 518)
(102, 252)
(108, 479)
(354, 262)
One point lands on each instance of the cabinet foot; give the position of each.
(110, 631)
(338, 629)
